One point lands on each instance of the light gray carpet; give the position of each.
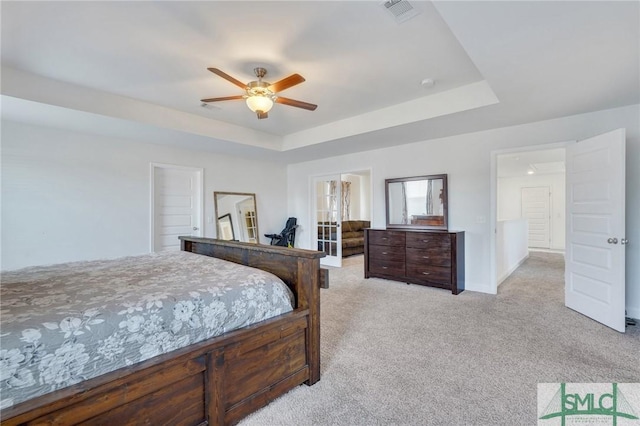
(398, 354)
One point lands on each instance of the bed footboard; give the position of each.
(299, 269)
(215, 382)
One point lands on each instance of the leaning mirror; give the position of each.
(236, 216)
(418, 202)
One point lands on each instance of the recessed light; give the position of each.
(428, 82)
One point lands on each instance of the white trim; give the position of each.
(371, 197)
(334, 260)
(493, 214)
(313, 199)
(200, 179)
(633, 313)
(554, 251)
(510, 271)
(360, 172)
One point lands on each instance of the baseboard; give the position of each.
(542, 250)
(480, 288)
(633, 313)
(513, 268)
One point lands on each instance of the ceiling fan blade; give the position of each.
(286, 82)
(226, 98)
(227, 77)
(297, 104)
(262, 115)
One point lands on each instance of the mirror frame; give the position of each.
(445, 221)
(229, 222)
(217, 213)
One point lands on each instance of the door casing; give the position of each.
(334, 233)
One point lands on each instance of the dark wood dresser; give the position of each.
(431, 258)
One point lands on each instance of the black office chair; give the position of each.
(287, 237)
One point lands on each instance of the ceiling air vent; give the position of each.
(401, 10)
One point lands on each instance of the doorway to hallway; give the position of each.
(530, 206)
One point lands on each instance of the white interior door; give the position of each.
(176, 205)
(328, 208)
(536, 208)
(595, 252)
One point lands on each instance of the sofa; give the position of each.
(353, 236)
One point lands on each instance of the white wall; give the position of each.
(509, 201)
(71, 196)
(511, 246)
(467, 161)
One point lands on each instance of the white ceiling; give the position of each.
(531, 163)
(138, 69)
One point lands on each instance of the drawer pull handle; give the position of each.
(384, 238)
(384, 267)
(425, 257)
(425, 241)
(384, 252)
(425, 273)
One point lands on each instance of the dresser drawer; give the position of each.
(387, 267)
(428, 257)
(386, 253)
(386, 238)
(438, 274)
(429, 241)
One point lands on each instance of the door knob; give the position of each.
(612, 241)
(195, 228)
(624, 241)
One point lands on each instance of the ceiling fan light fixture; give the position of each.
(259, 103)
(260, 95)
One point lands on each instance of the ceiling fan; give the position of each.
(261, 95)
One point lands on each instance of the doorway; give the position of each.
(176, 205)
(337, 198)
(594, 225)
(530, 205)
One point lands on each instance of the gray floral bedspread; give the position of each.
(70, 322)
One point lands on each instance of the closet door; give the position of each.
(536, 208)
(176, 205)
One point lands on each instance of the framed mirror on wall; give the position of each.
(236, 216)
(418, 202)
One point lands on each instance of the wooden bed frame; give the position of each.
(215, 382)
